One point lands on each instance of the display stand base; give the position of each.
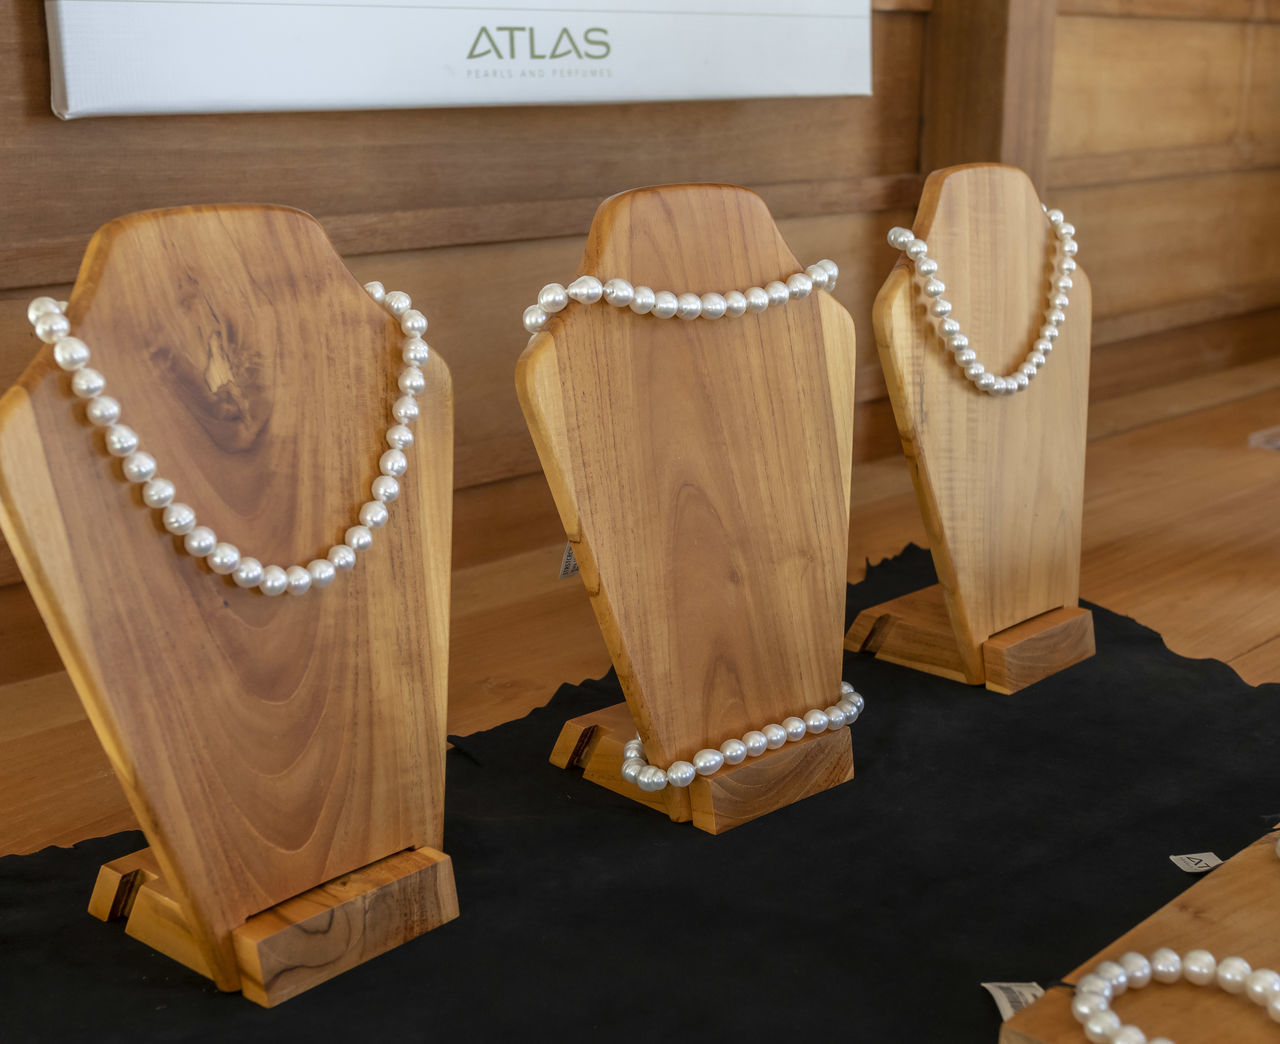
(735, 795)
(303, 941)
(915, 630)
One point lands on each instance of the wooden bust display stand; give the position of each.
(701, 470)
(285, 756)
(1000, 479)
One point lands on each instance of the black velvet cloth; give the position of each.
(984, 837)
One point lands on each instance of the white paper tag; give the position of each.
(1196, 862)
(568, 564)
(1012, 997)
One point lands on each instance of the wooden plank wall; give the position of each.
(1153, 123)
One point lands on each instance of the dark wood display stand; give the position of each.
(1000, 480)
(285, 756)
(702, 473)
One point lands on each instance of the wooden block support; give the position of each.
(915, 630)
(301, 942)
(1235, 909)
(735, 795)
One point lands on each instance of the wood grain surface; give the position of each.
(1000, 479)
(265, 745)
(701, 469)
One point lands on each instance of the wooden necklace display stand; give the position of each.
(701, 470)
(285, 756)
(1000, 480)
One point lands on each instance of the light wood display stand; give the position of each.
(285, 756)
(701, 470)
(1235, 909)
(1000, 480)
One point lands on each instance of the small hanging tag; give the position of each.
(1196, 862)
(568, 564)
(1012, 997)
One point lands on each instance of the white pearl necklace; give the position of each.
(138, 467)
(636, 769)
(926, 269)
(666, 304)
(1091, 1005)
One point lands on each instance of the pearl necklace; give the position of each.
(138, 467)
(926, 269)
(664, 304)
(636, 769)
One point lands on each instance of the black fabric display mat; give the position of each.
(985, 837)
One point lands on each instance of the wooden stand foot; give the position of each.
(301, 942)
(915, 630)
(733, 796)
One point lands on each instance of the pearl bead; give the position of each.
(247, 573)
(1068, 265)
(1166, 965)
(405, 409)
(1021, 381)
(552, 298)
(86, 383)
(916, 249)
(70, 353)
(688, 306)
(385, 488)
(975, 370)
(1262, 985)
(833, 270)
(586, 289)
(121, 440)
(534, 318)
(393, 463)
(224, 558)
(298, 579)
(200, 542)
(373, 514)
(415, 352)
(414, 324)
(1070, 247)
(796, 728)
(631, 768)
(900, 237)
(411, 381)
(1199, 967)
(799, 285)
(41, 306)
(1056, 316)
(619, 293)
(1273, 1009)
(713, 306)
(52, 326)
(1115, 975)
(1059, 300)
(1094, 983)
(102, 411)
(178, 519)
(1066, 230)
(342, 557)
(651, 778)
(757, 299)
(1028, 370)
(958, 342)
(681, 774)
(817, 276)
(139, 467)
(1054, 216)
(935, 288)
(1049, 332)
(986, 382)
(665, 304)
(774, 735)
(1101, 1026)
(1037, 358)
(376, 290)
(949, 327)
(633, 749)
(734, 751)
(1063, 282)
(779, 293)
(735, 304)
(275, 581)
(1084, 1005)
(643, 301)
(1128, 1035)
(941, 308)
(1232, 973)
(755, 742)
(847, 689)
(707, 761)
(399, 437)
(397, 302)
(358, 538)
(835, 716)
(965, 358)
(158, 492)
(816, 721)
(926, 266)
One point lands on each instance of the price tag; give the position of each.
(1196, 862)
(1012, 997)
(568, 564)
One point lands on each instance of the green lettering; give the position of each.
(492, 48)
(600, 42)
(566, 36)
(533, 53)
(511, 31)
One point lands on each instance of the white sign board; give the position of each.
(115, 57)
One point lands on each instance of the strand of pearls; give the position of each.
(139, 467)
(666, 304)
(1091, 1005)
(636, 768)
(1055, 314)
